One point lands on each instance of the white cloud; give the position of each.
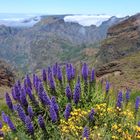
(87, 20)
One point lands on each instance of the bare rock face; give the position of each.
(123, 39)
(7, 76)
(112, 67)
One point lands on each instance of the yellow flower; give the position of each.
(114, 126)
(114, 137)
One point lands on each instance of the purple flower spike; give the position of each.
(30, 112)
(53, 114)
(119, 99)
(4, 116)
(68, 92)
(55, 105)
(46, 99)
(92, 78)
(85, 71)
(51, 82)
(28, 82)
(86, 133)
(59, 73)
(68, 72)
(137, 103)
(127, 95)
(44, 75)
(10, 124)
(67, 111)
(17, 92)
(139, 124)
(23, 98)
(1, 125)
(76, 96)
(49, 71)
(29, 125)
(41, 122)
(9, 101)
(91, 115)
(54, 68)
(21, 112)
(107, 87)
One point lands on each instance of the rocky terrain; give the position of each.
(119, 55)
(122, 40)
(7, 75)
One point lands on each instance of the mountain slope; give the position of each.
(119, 55)
(122, 39)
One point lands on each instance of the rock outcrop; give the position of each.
(7, 76)
(123, 39)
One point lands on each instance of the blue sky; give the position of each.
(112, 7)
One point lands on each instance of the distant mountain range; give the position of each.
(50, 40)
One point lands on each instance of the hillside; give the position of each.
(122, 40)
(119, 55)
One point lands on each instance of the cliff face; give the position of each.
(123, 39)
(119, 56)
(7, 76)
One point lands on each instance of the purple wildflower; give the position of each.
(53, 114)
(54, 68)
(137, 103)
(67, 111)
(41, 122)
(30, 112)
(85, 71)
(28, 82)
(9, 101)
(21, 112)
(0, 125)
(46, 99)
(29, 92)
(17, 92)
(68, 92)
(119, 99)
(72, 69)
(19, 84)
(59, 73)
(139, 124)
(68, 72)
(107, 86)
(76, 96)
(44, 75)
(10, 124)
(54, 104)
(51, 81)
(4, 116)
(29, 125)
(86, 133)
(23, 98)
(91, 115)
(127, 95)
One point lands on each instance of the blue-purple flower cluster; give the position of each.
(38, 92)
